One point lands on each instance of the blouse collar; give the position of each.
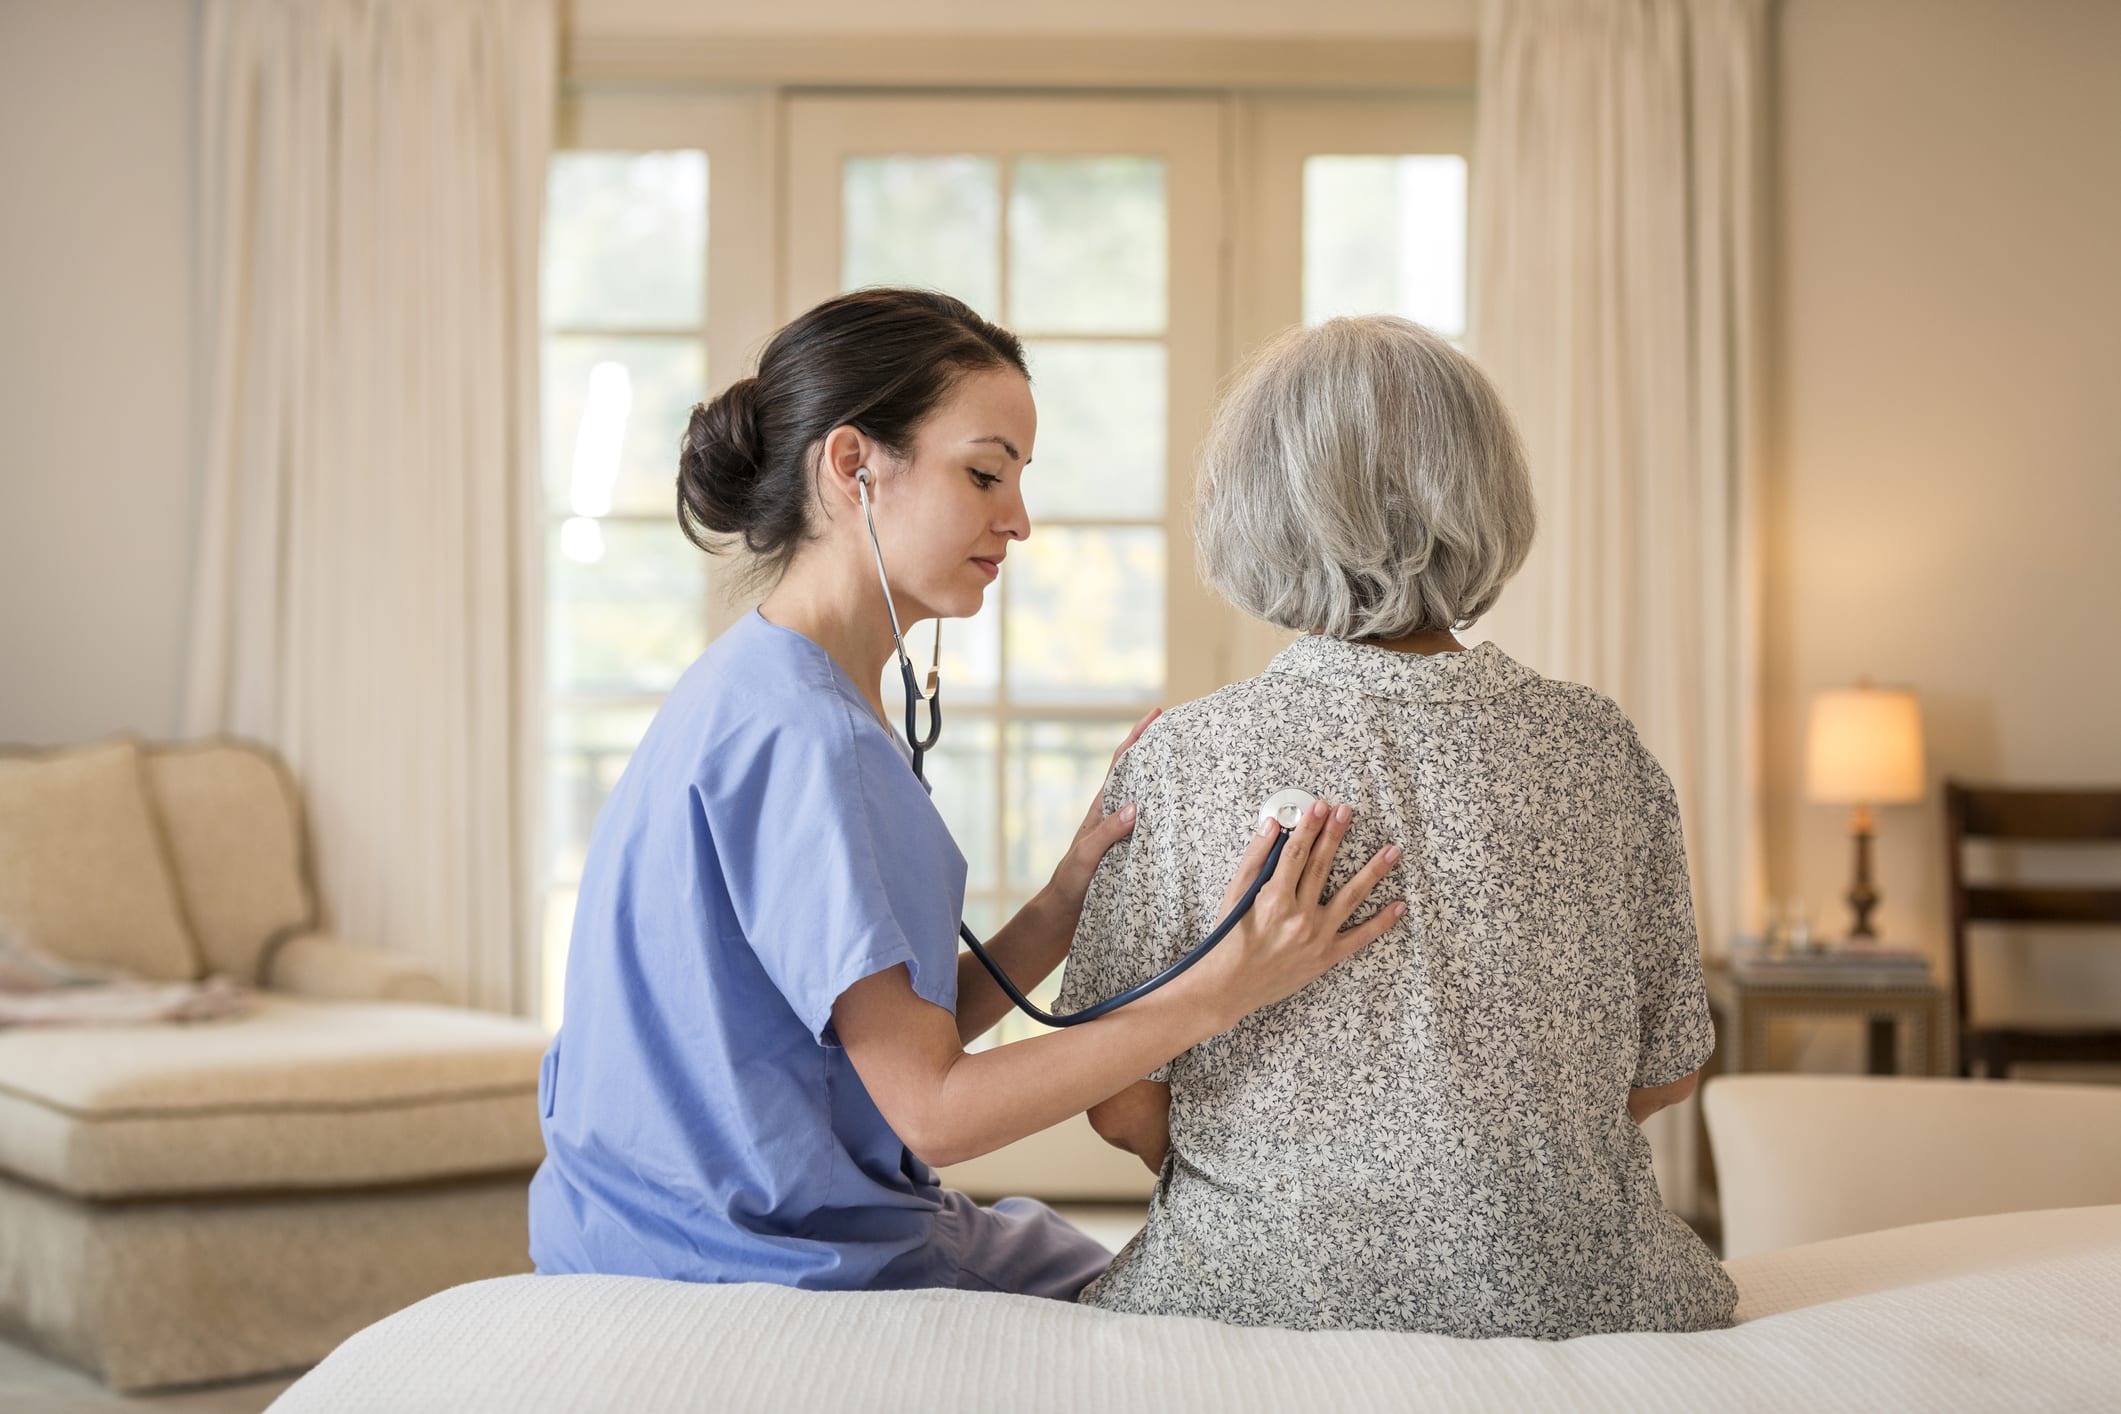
(1481, 671)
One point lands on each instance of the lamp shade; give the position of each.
(1864, 747)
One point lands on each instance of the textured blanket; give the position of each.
(37, 989)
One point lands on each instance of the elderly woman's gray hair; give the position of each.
(1362, 480)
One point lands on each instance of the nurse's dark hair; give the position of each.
(877, 360)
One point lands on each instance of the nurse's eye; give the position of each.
(984, 480)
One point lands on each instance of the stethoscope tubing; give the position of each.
(921, 745)
(1141, 989)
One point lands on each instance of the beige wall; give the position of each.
(1947, 468)
(97, 489)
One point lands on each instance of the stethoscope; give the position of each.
(1284, 807)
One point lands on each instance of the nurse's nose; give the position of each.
(1014, 520)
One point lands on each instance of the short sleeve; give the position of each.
(835, 862)
(1134, 921)
(1677, 1032)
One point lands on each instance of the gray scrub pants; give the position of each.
(1020, 1245)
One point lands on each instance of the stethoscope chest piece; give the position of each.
(1285, 807)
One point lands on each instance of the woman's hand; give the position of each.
(1097, 834)
(1290, 938)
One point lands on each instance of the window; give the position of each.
(1100, 229)
(643, 302)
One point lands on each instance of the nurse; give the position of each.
(766, 1013)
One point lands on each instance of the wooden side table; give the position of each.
(1907, 1026)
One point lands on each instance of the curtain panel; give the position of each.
(370, 551)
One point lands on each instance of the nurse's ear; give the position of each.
(843, 455)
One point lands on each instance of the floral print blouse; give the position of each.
(1434, 1136)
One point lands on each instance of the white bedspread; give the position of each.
(2018, 1311)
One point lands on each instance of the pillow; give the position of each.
(83, 873)
(232, 818)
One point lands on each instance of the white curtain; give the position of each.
(373, 176)
(1617, 250)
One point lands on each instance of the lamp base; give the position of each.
(1862, 897)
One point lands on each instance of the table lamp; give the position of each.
(1864, 749)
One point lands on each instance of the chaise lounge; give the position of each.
(184, 1203)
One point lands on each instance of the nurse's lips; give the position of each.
(993, 567)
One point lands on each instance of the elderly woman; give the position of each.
(1441, 1134)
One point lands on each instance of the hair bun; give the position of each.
(720, 460)
(877, 360)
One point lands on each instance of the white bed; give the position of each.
(2013, 1311)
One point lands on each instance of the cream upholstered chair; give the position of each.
(1804, 1158)
(181, 1203)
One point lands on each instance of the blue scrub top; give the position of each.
(766, 847)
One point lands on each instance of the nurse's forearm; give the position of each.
(996, 1097)
(949, 1106)
(1028, 948)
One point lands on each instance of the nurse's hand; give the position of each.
(1098, 833)
(1293, 932)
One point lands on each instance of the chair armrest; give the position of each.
(326, 968)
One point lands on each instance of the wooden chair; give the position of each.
(2027, 816)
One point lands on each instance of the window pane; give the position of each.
(931, 222)
(586, 748)
(615, 409)
(1086, 615)
(1100, 430)
(972, 661)
(972, 656)
(961, 768)
(1386, 235)
(1055, 770)
(1087, 245)
(625, 240)
(627, 606)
